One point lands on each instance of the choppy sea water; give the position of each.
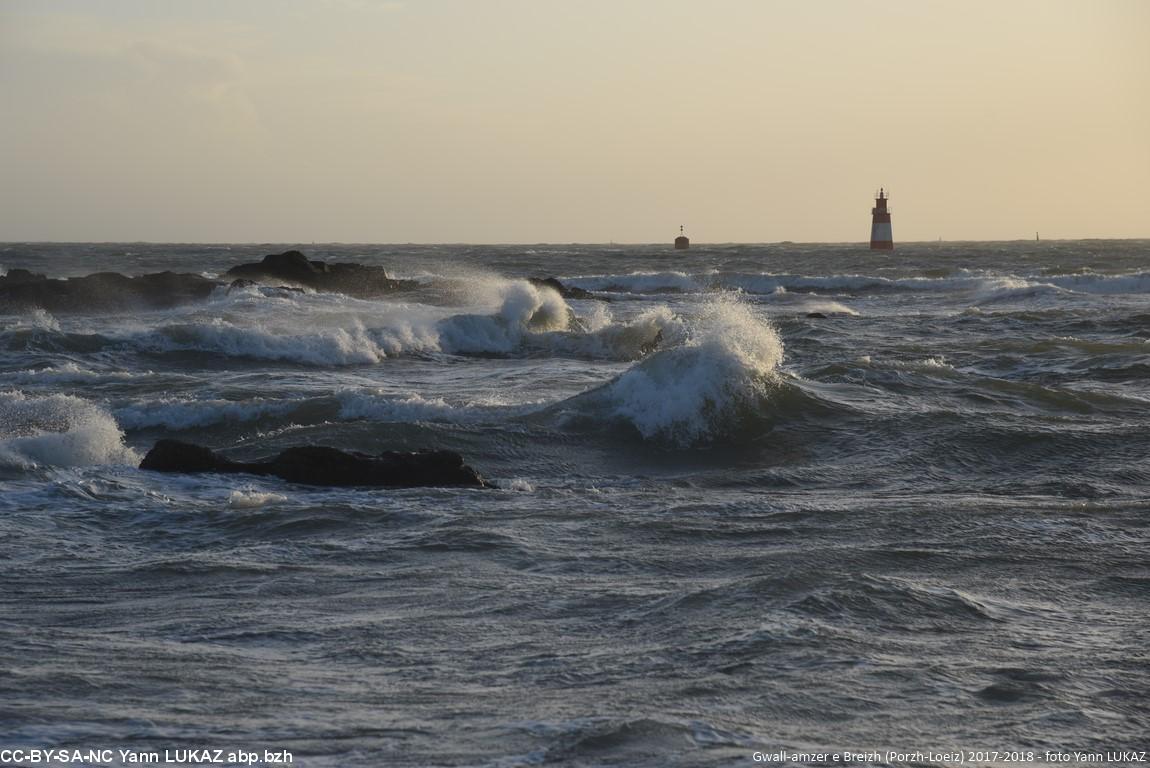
(720, 526)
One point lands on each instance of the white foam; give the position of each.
(983, 286)
(249, 499)
(827, 307)
(344, 331)
(630, 340)
(37, 319)
(638, 282)
(73, 373)
(332, 346)
(524, 309)
(177, 414)
(378, 406)
(1137, 282)
(700, 388)
(1008, 288)
(59, 431)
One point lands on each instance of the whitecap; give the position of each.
(59, 431)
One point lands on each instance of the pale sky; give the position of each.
(504, 121)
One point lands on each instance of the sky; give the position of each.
(526, 121)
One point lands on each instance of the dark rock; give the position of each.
(175, 456)
(292, 267)
(102, 291)
(318, 465)
(566, 291)
(653, 344)
(240, 283)
(21, 276)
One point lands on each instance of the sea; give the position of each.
(748, 503)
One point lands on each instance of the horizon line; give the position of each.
(301, 244)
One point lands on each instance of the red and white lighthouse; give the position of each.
(880, 236)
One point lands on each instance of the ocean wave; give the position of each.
(899, 603)
(782, 300)
(981, 285)
(251, 499)
(73, 373)
(1003, 289)
(36, 319)
(517, 318)
(975, 287)
(353, 345)
(1136, 282)
(524, 309)
(611, 340)
(379, 406)
(366, 334)
(59, 431)
(701, 389)
(22, 338)
(640, 282)
(181, 414)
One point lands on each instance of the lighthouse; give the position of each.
(880, 236)
(682, 243)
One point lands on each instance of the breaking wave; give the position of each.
(724, 370)
(58, 431)
(515, 317)
(178, 414)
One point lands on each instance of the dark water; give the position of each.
(916, 522)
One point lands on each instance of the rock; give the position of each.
(240, 283)
(102, 291)
(653, 344)
(319, 465)
(566, 291)
(21, 276)
(176, 456)
(292, 267)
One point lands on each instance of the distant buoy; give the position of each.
(880, 234)
(682, 243)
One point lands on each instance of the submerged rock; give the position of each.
(102, 291)
(319, 465)
(293, 268)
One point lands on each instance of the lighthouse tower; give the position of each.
(682, 243)
(880, 236)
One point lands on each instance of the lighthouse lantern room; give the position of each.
(880, 234)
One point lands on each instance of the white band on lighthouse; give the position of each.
(880, 232)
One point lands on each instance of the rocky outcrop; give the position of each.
(566, 291)
(103, 291)
(294, 269)
(318, 465)
(110, 291)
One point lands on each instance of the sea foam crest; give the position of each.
(511, 310)
(178, 414)
(59, 431)
(523, 309)
(639, 282)
(692, 392)
(327, 346)
(603, 337)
